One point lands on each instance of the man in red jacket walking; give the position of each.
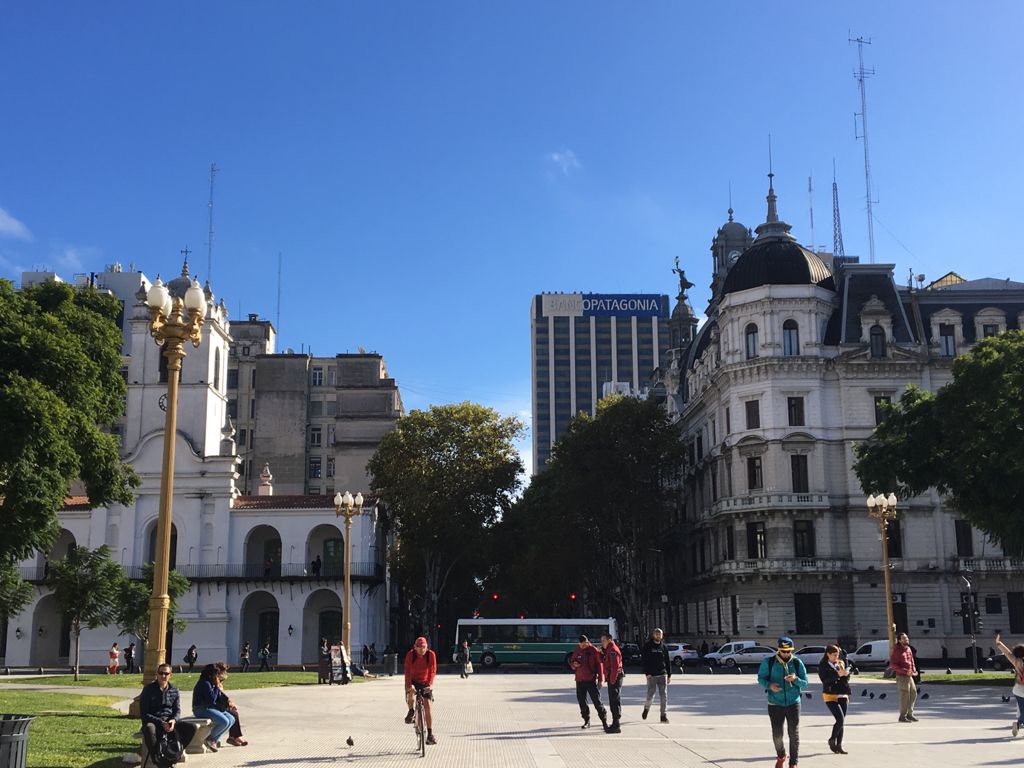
(902, 663)
(611, 660)
(420, 670)
(586, 663)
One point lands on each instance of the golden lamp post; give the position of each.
(349, 507)
(883, 509)
(170, 329)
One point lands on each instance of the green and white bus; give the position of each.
(533, 641)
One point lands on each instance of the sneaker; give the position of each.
(831, 744)
(646, 710)
(911, 718)
(840, 750)
(1015, 727)
(664, 718)
(903, 719)
(431, 739)
(613, 728)
(409, 717)
(586, 724)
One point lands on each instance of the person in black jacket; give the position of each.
(160, 708)
(658, 670)
(835, 690)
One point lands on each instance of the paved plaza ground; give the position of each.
(517, 719)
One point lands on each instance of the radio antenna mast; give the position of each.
(810, 204)
(278, 318)
(862, 74)
(209, 238)
(837, 227)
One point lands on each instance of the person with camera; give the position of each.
(783, 676)
(835, 691)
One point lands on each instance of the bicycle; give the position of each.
(419, 724)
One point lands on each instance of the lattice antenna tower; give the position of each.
(837, 225)
(810, 207)
(862, 74)
(209, 237)
(277, 319)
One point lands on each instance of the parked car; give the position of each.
(631, 654)
(998, 663)
(872, 654)
(747, 657)
(810, 655)
(715, 657)
(682, 654)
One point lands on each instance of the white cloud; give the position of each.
(69, 258)
(564, 160)
(11, 227)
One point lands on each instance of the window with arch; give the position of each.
(877, 341)
(790, 338)
(751, 341)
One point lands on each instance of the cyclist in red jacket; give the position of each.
(420, 671)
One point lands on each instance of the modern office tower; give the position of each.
(585, 346)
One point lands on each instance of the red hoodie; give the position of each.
(587, 663)
(611, 660)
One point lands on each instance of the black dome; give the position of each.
(777, 261)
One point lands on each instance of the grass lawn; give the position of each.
(185, 681)
(72, 731)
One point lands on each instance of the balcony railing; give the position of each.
(770, 501)
(990, 564)
(784, 565)
(366, 571)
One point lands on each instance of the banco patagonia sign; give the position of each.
(601, 304)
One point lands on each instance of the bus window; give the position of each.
(525, 633)
(501, 633)
(545, 633)
(569, 633)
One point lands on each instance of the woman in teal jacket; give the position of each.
(783, 676)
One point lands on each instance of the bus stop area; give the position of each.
(499, 719)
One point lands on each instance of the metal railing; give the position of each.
(990, 564)
(770, 501)
(785, 565)
(246, 571)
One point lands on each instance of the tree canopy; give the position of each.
(133, 603)
(966, 440)
(86, 585)
(445, 476)
(594, 521)
(60, 383)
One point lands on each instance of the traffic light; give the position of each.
(494, 596)
(572, 595)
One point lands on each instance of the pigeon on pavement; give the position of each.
(350, 742)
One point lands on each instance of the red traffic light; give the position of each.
(572, 595)
(494, 596)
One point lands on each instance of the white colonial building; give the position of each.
(248, 557)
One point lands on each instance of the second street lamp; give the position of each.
(349, 507)
(170, 329)
(883, 509)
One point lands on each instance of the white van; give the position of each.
(729, 648)
(872, 654)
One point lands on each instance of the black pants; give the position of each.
(185, 731)
(791, 717)
(615, 700)
(838, 710)
(582, 691)
(264, 664)
(235, 731)
(130, 662)
(245, 665)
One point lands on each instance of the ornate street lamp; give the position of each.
(170, 329)
(883, 509)
(349, 507)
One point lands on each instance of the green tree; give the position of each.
(132, 608)
(15, 593)
(445, 475)
(594, 522)
(60, 383)
(86, 585)
(966, 440)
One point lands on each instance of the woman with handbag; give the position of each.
(462, 657)
(835, 691)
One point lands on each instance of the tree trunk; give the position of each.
(78, 648)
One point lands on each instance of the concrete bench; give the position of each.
(196, 747)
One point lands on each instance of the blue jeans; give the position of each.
(1020, 709)
(222, 721)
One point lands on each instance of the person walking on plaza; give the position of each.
(611, 660)
(658, 670)
(902, 662)
(112, 663)
(244, 655)
(264, 655)
(586, 663)
(191, 656)
(160, 710)
(835, 691)
(420, 670)
(783, 676)
(1016, 659)
(129, 659)
(463, 657)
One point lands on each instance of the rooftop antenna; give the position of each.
(278, 318)
(209, 239)
(862, 74)
(837, 225)
(810, 204)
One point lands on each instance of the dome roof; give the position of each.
(732, 230)
(777, 261)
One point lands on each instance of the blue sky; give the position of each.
(425, 168)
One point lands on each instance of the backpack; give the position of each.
(167, 751)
